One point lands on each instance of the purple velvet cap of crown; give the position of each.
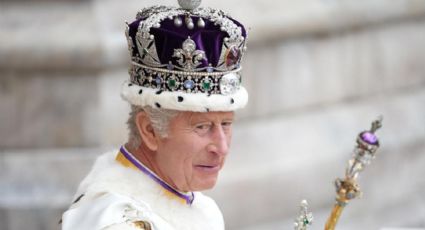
(169, 37)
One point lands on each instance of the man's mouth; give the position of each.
(208, 168)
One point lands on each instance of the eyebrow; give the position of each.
(203, 117)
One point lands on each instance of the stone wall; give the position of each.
(317, 71)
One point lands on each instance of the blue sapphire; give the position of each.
(189, 84)
(158, 80)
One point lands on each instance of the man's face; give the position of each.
(194, 151)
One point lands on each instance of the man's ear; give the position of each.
(146, 131)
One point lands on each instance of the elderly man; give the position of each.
(184, 86)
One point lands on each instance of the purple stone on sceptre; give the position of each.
(369, 138)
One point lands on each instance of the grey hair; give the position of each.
(160, 119)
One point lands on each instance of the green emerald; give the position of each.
(171, 83)
(206, 85)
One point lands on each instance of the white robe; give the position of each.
(115, 197)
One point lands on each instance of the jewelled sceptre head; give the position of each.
(347, 188)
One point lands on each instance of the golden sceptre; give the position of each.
(347, 188)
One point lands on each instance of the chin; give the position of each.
(205, 184)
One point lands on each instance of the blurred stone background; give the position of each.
(318, 72)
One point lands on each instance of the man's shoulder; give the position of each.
(103, 163)
(110, 176)
(105, 160)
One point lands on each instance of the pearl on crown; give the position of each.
(189, 4)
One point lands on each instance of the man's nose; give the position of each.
(220, 141)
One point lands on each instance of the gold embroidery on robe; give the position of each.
(142, 225)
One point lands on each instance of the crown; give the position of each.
(185, 58)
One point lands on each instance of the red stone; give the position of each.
(233, 56)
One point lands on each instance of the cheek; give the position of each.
(193, 152)
(185, 150)
(229, 137)
(194, 142)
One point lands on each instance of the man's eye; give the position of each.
(203, 127)
(227, 124)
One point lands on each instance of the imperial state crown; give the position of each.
(185, 58)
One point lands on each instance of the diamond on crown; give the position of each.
(189, 57)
